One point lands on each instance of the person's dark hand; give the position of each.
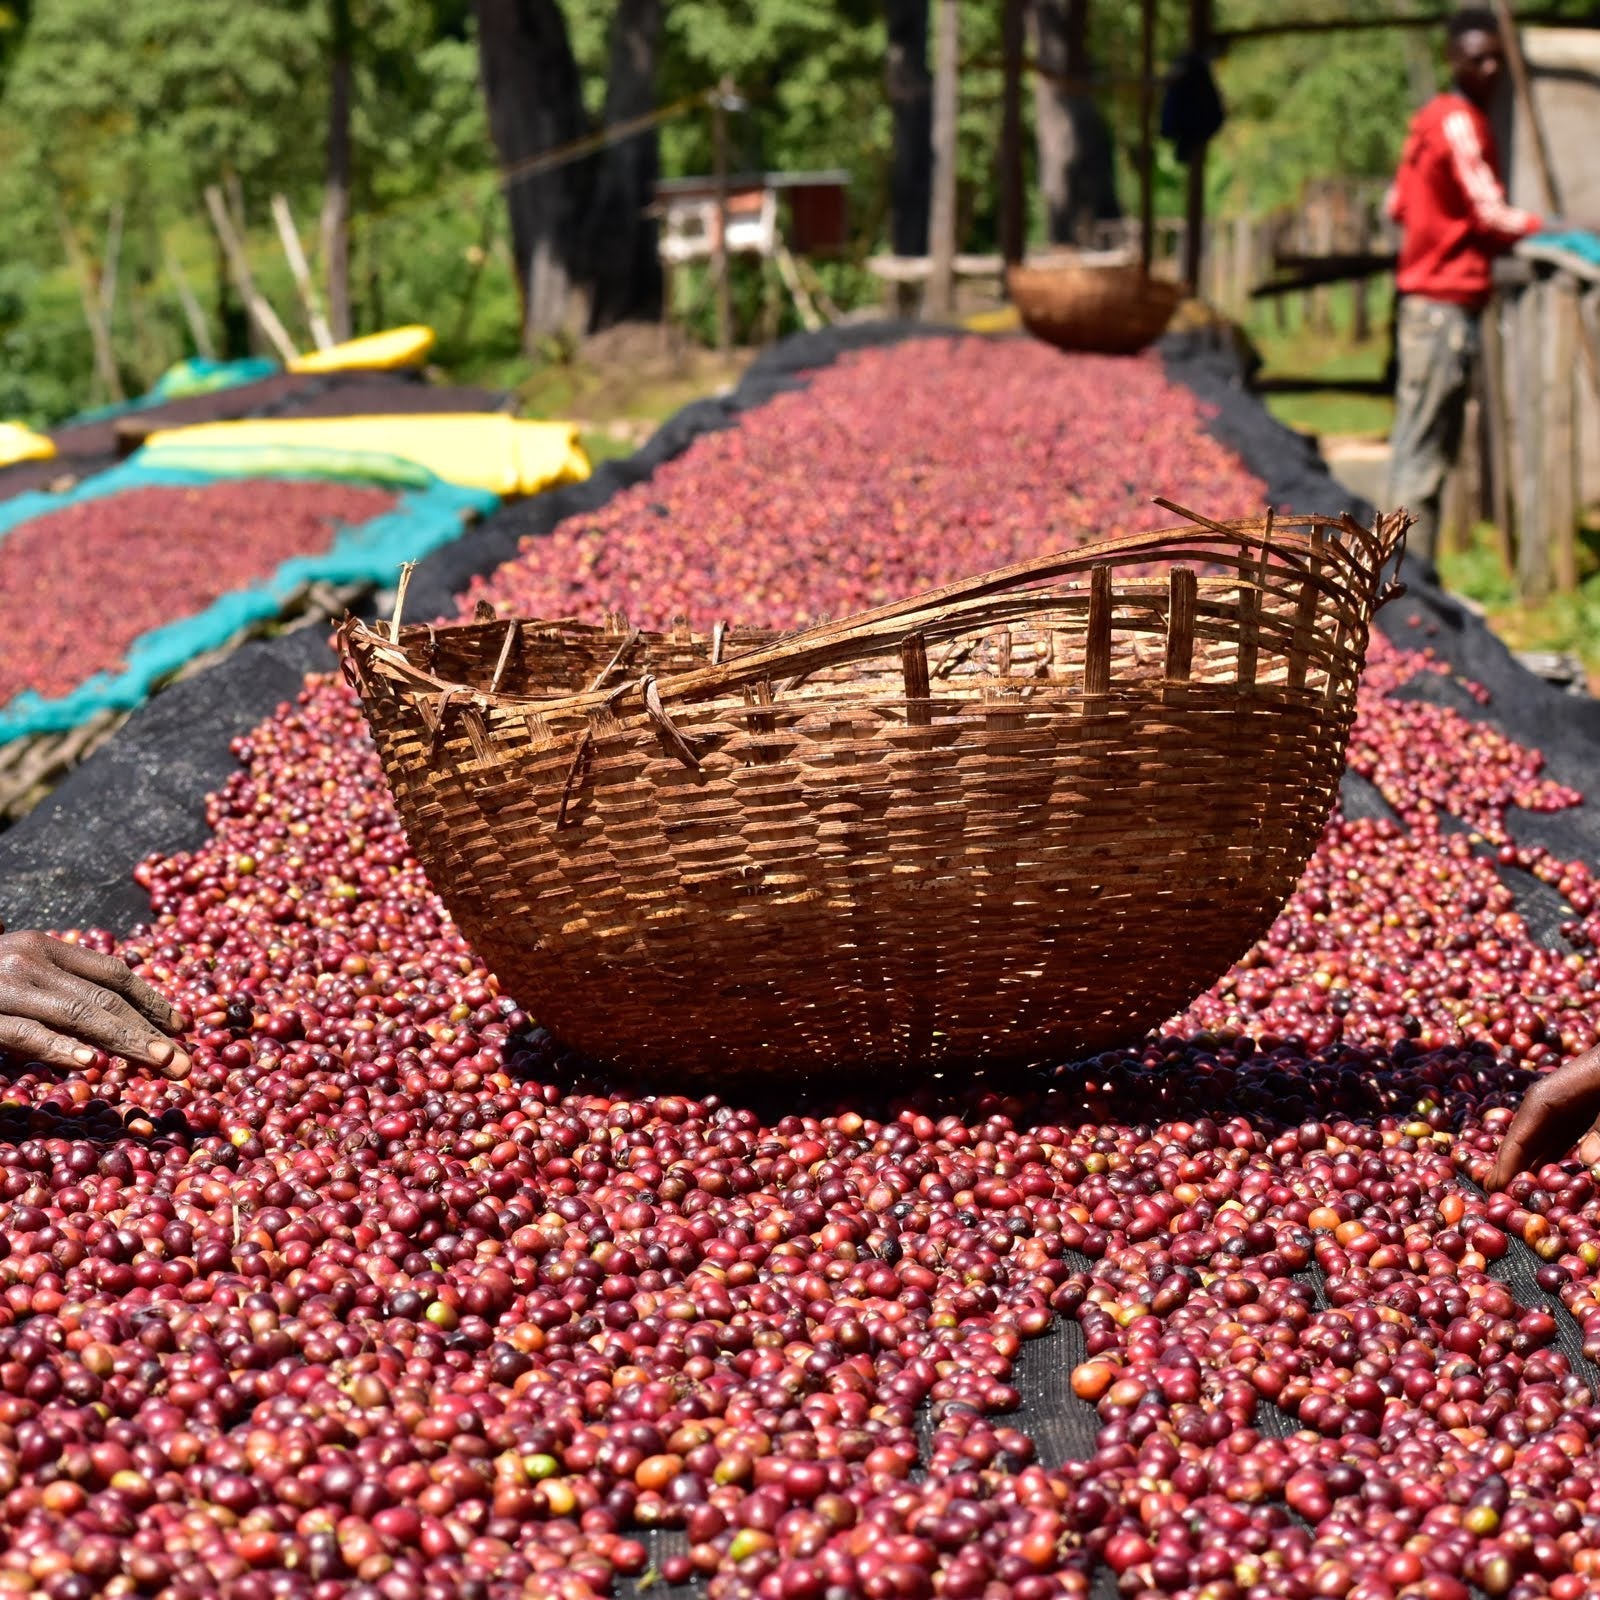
(1561, 1110)
(60, 1003)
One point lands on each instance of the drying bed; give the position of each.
(388, 1300)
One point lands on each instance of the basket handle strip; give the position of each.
(576, 773)
(1378, 544)
(674, 740)
(611, 666)
(513, 634)
(406, 569)
(951, 621)
(805, 652)
(821, 643)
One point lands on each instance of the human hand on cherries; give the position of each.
(1560, 1111)
(62, 1003)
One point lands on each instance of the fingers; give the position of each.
(109, 973)
(1589, 1148)
(1529, 1138)
(68, 1005)
(35, 1042)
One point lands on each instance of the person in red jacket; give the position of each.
(1455, 219)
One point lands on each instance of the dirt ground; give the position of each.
(623, 382)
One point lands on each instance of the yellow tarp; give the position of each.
(397, 347)
(18, 443)
(477, 450)
(1005, 320)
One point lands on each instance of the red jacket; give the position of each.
(1448, 199)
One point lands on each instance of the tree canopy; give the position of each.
(113, 110)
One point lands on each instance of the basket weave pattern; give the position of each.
(1024, 817)
(1108, 310)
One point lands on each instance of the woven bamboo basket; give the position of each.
(1021, 818)
(1110, 310)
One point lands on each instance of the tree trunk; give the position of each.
(1013, 198)
(942, 223)
(1076, 159)
(623, 267)
(336, 201)
(911, 102)
(535, 103)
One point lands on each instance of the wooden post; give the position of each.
(105, 359)
(1200, 20)
(940, 299)
(1244, 265)
(1319, 225)
(1147, 133)
(1275, 230)
(1013, 213)
(1533, 547)
(1496, 449)
(1560, 432)
(255, 302)
(199, 329)
(719, 253)
(1456, 511)
(301, 271)
(1361, 289)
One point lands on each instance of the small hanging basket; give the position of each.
(1110, 310)
(1021, 818)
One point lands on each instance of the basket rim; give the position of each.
(1316, 550)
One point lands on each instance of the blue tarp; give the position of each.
(1571, 242)
(427, 516)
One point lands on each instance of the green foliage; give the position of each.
(1321, 105)
(139, 104)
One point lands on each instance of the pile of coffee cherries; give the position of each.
(387, 1301)
(892, 471)
(78, 585)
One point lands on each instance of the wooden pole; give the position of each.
(1147, 133)
(1013, 219)
(1498, 451)
(1550, 192)
(1522, 85)
(1560, 432)
(719, 254)
(255, 302)
(296, 257)
(105, 359)
(1360, 290)
(1200, 24)
(942, 215)
(199, 328)
(1528, 364)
